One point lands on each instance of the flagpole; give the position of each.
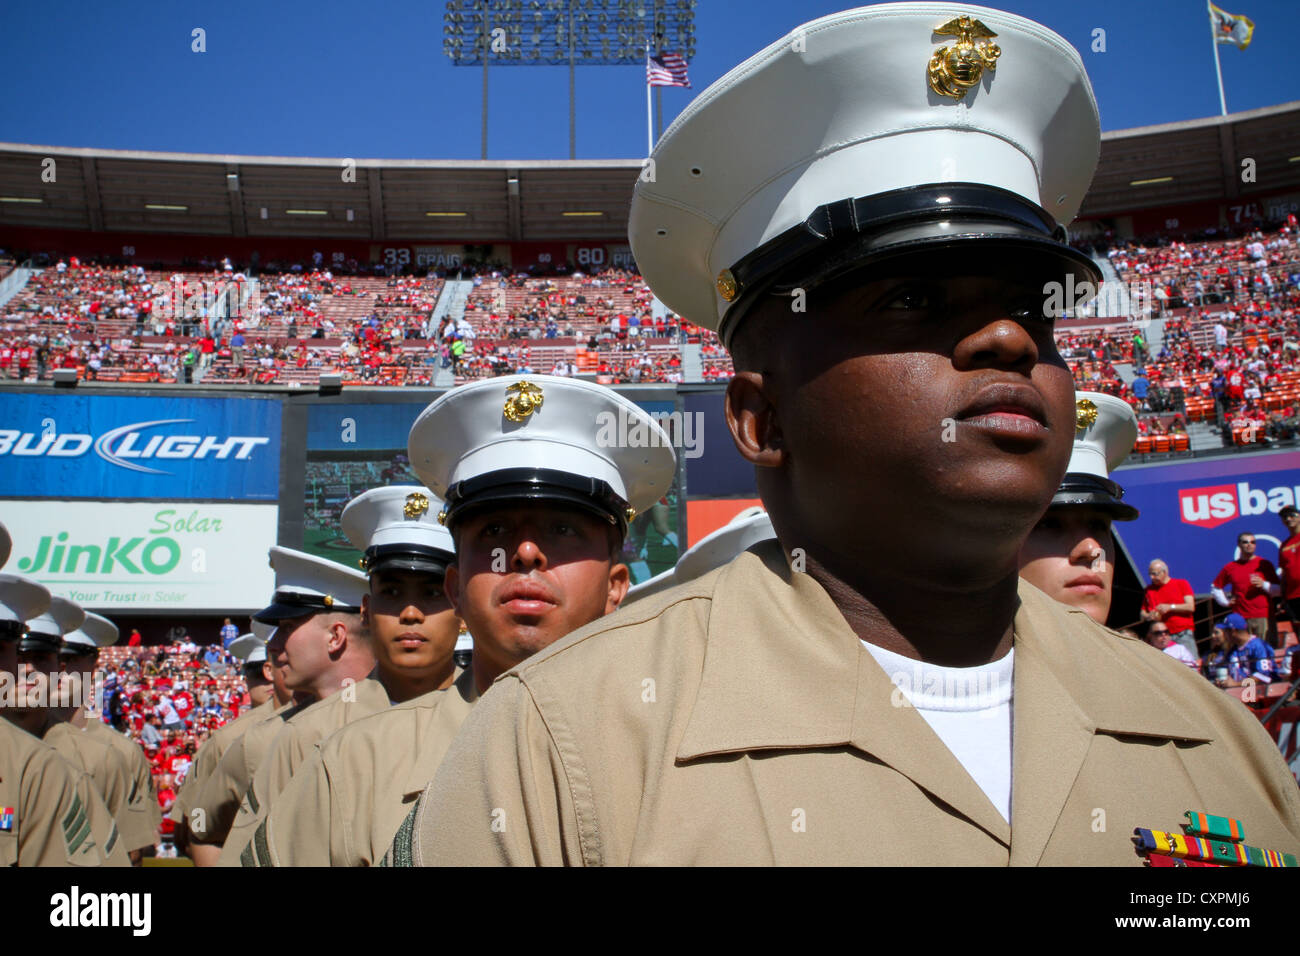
(649, 124)
(1218, 69)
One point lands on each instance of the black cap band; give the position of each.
(849, 233)
(545, 484)
(11, 630)
(40, 641)
(287, 605)
(1080, 488)
(406, 557)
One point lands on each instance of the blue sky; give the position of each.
(369, 80)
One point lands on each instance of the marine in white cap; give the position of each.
(1070, 554)
(140, 817)
(329, 654)
(50, 813)
(345, 801)
(881, 272)
(541, 476)
(56, 701)
(322, 647)
(267, 692)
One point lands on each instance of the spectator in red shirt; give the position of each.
(1253, 580)
(1288, 559)
(1170, 601)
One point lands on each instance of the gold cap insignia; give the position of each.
(629, 513)
(442, 516)
(727, 284)
(1085, 413)
(955, 69)
(416, 505)
(520, 406)
(329, 600)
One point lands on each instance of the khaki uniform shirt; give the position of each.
(99, 760)
(142, 816)
(345, 803)
(737, 719)
(219, 801)
(210, 754)
(296, 739)
(52, 814)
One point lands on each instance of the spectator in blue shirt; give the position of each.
(1251, 656)
(1140, 386)
(228, 634)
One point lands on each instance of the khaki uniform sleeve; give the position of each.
(105, 827)
(59, 820)
(270, 778)
(503, 795)
(218, 801)
(140, 815)
(299, 828)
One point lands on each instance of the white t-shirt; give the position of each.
(969, 708)
(1180, 653)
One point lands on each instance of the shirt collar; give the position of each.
(783, 670)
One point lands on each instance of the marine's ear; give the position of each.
(752, 419)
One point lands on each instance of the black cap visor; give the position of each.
(513, 485)
(1094, 492)
(841, 238)
(287, 606)
(401, 557)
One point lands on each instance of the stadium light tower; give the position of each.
(553, 32)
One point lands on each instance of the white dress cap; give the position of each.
(523, 437)
(715, 549)
(859, 114)
(306, 584)
(249, 648)
(21, 600)
(96, 631)
(263, 631)
(397, 527)
(45, 631)
(1104, 436)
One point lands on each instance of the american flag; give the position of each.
(666, 69)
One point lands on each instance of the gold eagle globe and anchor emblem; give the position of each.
(528, 399)
(1085, 413)
(955, 69)
(417, 504)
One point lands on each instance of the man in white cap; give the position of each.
(319, 643)
(542, 476)
(141, 816)
(1070, 554)
(267, 693)
(51, 719)
(328, 654)
(879, 273)
(344, 802)
(540, 492)
(50, 814)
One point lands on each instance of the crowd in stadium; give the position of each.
(1230, 310)
(169, 699)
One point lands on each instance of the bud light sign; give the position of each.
(1192, 513)
(100, 446)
